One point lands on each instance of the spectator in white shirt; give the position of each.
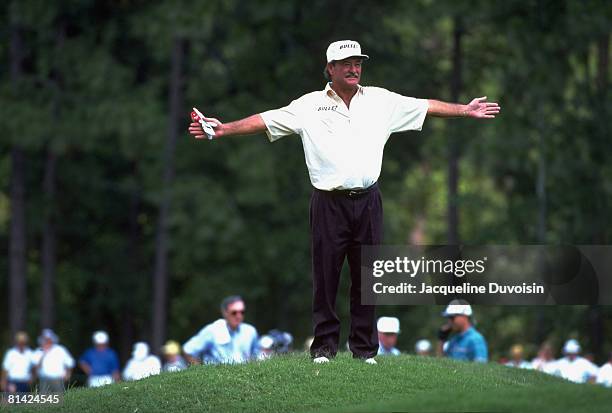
(17, 366)
(53, 362)
(574, 368)
(516, 358)
(545, 360)
(604, 375)
(142, 364)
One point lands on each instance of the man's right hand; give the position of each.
(196, 129)
(444, 332)
(247, 126)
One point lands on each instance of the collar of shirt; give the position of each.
(331, 93)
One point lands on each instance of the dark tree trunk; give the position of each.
(47, 316)
(453, 149)
(17, 277)
(160, 274)
(47, 305)
(17, 242)
(603, 62)
(127, 312)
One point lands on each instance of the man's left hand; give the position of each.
(481, 109)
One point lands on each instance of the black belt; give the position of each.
(350, 193)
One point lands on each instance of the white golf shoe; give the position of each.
(320, 360)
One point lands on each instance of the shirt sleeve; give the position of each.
(85, 358)
(255, 350)
(481, 353)
(198, 343)
(114, 361)
(127, 372)
(5, 361)
(36, 357)
(284, 121)
(407, 113)
(68, 360)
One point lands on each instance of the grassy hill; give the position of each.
(294, 384)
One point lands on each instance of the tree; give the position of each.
(17, 271)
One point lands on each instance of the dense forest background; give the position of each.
(112, 217)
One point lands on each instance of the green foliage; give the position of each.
(239, 210)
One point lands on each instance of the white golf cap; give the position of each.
(100, 337)
(422, 346)
(140, 350)
(343, 49)
(458, 309)
(571, 347)
(266, 342)
(388, 325)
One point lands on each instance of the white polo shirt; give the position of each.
(18, 364)
(344, 146)
(579, 370)
(54, 363)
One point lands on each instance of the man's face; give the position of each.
(388, 340)
(234, 314)
(458, 322)
(345, 73)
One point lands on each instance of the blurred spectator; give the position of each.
(17, 366)
(275, 342)
(574, 368)
(227, 340)
(423, 348)
(142, 364)
(266, 347)
(174, 360)
(516, 358)
(604, 375)
(53, 362)
(282, 341)
(545, 360)
(388, 329)
(466, 343)
(100, 362)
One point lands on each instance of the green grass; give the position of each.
(295, 384)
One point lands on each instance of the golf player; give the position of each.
(343, 129)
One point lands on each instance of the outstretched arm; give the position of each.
(477, 108)
(247, 126)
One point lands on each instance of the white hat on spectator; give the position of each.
(266, 342)
(388, 325)
(100, 337)
(422, 346)
(47, 334)
(571, 347)
(140, 351)
(457, 309)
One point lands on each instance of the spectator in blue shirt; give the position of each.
(466, 343)
(100, 362)
(227, 340)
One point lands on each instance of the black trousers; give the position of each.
(339, 224)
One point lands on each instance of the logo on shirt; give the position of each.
(324, 108)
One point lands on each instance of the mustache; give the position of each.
(348, 75)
